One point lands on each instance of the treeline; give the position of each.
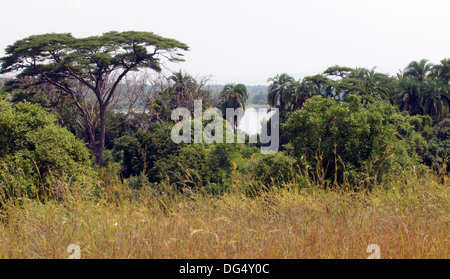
(346, 127)
(420, 89)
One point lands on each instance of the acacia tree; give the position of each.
(97, 64)
(319, 84)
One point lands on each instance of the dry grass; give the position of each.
(407, 219)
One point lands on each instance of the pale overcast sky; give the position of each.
(248, 41)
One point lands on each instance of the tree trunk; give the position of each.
(101, 144)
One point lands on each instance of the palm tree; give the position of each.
(434, 98)
(233, 96)
(297, 94)
(442, 71)
(359, 73)
(279, 90)
(184, 85)
(419, 70)
(408, 96)
(400, 74)
(377, 85)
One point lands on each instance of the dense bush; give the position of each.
(33, 149)
(438, 151)
(139, 152)
(275, 169)
(153, 154)
(351, 140)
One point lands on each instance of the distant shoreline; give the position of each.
(256, 106)
(140, 110)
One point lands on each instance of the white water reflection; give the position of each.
(250, 123)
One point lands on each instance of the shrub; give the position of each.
(438, 150)
(352, 141)
(139, 153)
(33, 149)
(276, 169)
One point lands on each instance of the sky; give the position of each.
(249, 41)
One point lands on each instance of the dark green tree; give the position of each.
(434, 98)
(407, 95)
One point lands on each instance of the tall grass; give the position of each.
(408, 217)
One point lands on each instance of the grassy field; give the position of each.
(408, 218)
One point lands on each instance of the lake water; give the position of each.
(250, 123)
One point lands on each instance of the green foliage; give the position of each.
(424, 88)
(188, 168)
(407, 95)
(275, 170)
(351, 141)
(119, 125)
(34, 149)
(17, 177)
(34, 97)
(138, 182)
(139, 152)
(339, 128)
(224, 158)
(2, 92)
(206, 167)
(438, 146)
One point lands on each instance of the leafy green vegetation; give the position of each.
(65, 136)
(353, 141)
(34, 150)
